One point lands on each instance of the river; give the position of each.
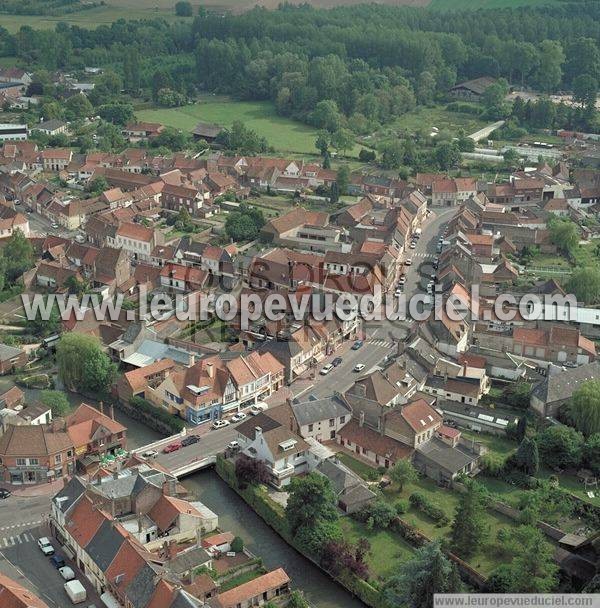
(235, 515)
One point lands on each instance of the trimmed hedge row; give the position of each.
(148, 412)
(423, 504)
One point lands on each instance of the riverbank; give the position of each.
(272, 514)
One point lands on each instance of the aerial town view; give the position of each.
(299, 303)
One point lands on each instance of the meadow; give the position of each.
(282, 133)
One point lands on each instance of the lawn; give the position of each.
(240, 579)
(388, 549)
(439, 117)
(498, 444)
(360, 468)
(283, 134)
(455, 5)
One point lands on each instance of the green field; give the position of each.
(451, 5)
(283, 134)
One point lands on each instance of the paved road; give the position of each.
(19, 512)
(22, 560)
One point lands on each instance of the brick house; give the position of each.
(32, 454)
(11, 358)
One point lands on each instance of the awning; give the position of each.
(109, 601)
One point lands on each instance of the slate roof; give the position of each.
(309, 412)
(8, 352)
(140, 590)
(105, 545)
(69, 494)
(561, 384)
(446, 457)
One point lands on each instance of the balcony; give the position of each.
(283, 472)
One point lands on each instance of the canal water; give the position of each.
(235, 515)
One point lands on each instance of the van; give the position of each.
(76, 591)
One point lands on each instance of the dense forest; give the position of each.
(351, 67)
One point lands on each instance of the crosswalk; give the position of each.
(422, 254)
(381, 342)
(17, 539)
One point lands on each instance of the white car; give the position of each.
(239, 417)
(412, 245)
(150, 454)
(67, 573)
(257, 408)
(326, 369)
(359, 367)
(45, 545)
(402, 280)
(220, 424)
(233, 445)
(407, 262)
(398, 291)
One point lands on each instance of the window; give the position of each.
(34, 461)
(21, 462)
(310, 428)
(342, 419)
(58, 459)
(332, 422)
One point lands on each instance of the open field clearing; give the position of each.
(283, 134)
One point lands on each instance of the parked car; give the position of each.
(5, 494)
(357, 344)
(67, 573)
(326, 369)
(76, 591)
(45, 545)
(57, 561)
(220, 424)
(259, 407)
(233, 445)
(398, 291)
(407, 262)
(359, 367)
(412, 245)
(172, 447)
(402, 280)
(189, 440)
(149, 454)
(337, 361)
(239, 417)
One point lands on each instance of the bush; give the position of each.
(145, 407)
(401, 507)
(464, 107)
(423, 504)
(377, 514)
(237, 544)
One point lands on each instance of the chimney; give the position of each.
(361, 418)
(112, 411)
(257, 432)
(210, 370)
(140, 527)
(192, 359)
(101, 407)
(172, 549)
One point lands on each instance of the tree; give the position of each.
(584, 408)
(425, 89)
(564, 234)
(244, 224)
(591, 453)
(170, 138)
(366, 156)
(57, 402)
(117, 112)
(250, 471)
(527, 457)
(392, 154)
(495, 94)
(237, 544)
(511, 156)
(239, 138)
(78, 106)
(44, 327)
(560, 447)
(548, 74)
(82, 365)
(311, 500)
(97, 185)
(403, 472)
(342, 140)
(584, 283)
(532, 569)
(183, 9)
(518, 394)
(343, 179)
(417, 580)
(446, 155)
(469, 526)
(585, 90)
(18, 256)
(322, 142)
(327, 115)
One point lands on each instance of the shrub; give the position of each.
(423, 504)
(145, 407)
(377, 514)
(401, 507)
(237, 544)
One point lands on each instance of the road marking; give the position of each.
(39, 522)
(381, 342)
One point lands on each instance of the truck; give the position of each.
(76, 591)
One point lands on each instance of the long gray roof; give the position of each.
(141, 588)
(309, 412)
(445, 456)
(105, 545)
(69, 494)
(561, 384)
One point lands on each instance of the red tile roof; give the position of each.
(247, 591)
(84, 521)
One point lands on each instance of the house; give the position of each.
(139, 241)
(472, 90)
(51, 127)
(321, 418)
(178, 278)
(33, 454)
(95, 434)
(12, 397)
(55, 159)
(549, 395)
(13, 595)
(274, 585)
(206, 131)
(463, 390)
(137, 382)
(283, 451)
(141, 131)
(351, 491)
(12, 358)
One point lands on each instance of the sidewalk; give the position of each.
(42, 489)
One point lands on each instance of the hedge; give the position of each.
(423, 504)
(145, 407)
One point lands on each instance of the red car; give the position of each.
(172, 447)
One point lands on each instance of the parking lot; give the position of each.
(22, 560)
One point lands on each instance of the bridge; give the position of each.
(191, 458)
